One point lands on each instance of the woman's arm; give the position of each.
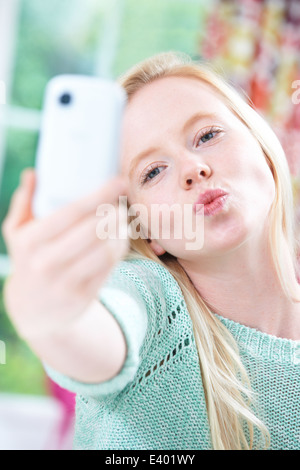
(58, 266)
(92, 349)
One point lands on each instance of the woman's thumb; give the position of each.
(27, 179)
(20, 209)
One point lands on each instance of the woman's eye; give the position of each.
(150, 174)
(207, 136)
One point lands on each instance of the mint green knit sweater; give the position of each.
(157, 401)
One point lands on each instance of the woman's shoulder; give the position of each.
(146, 282)
(147, 275)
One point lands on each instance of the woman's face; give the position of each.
(179, 141)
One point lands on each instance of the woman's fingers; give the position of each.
(20, 226)
(64, 218)
(20, 209)
(85, 235)
(95, 265)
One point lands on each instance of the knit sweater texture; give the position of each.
(157, 400)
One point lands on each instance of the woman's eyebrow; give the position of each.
(198, 117)
(140, 156)
(146, 153)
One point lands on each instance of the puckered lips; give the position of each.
(213, 201)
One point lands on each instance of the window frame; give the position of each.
(9, 20)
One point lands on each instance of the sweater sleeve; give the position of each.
(127, 299)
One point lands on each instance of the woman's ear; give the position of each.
(156, 248)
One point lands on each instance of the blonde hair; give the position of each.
(226, 384)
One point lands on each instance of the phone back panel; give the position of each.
(79, 139)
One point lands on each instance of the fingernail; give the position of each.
(24, 176)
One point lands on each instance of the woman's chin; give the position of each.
(220, 242)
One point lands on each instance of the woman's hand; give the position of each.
(58, 263)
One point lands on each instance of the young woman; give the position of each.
(187, 349)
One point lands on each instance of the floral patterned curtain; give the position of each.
(257, 44)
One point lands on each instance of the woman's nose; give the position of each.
(193, 172)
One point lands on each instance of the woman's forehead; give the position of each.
(169, 93)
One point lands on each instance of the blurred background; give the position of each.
(254, 43)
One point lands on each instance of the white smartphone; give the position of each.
(79, 140)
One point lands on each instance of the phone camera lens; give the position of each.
(66, 98)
